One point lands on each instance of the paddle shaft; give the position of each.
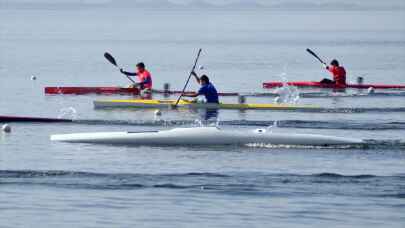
(111, 59)
(191, 73)
(315, 55)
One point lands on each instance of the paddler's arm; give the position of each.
(191, 94)
(146, 81)
(201, 91)
(196, 77)
(128, 73)
(328, 68)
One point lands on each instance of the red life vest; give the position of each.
(339, 75)
(145, 78)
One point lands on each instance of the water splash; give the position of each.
(271, 146)
(198, 123)
(206, 123)
(217, 122)
(157, 115)
(68, 113)
(271, 127)
(286, 94)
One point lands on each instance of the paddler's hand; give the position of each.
(134, 85)
(122, 71)
(325, 66)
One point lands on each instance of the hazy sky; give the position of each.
(287, 3)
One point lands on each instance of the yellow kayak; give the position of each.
(160, 104)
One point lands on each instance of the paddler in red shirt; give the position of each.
(338, 72)
(145, 78)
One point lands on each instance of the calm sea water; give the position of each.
(54, 184)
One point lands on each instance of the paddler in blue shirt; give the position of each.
(207, 89)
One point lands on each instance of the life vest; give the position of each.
(210, 93)
(339, 75)
(145, 79)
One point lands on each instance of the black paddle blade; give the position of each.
(315, 55)
(311, 52)
(110, 58)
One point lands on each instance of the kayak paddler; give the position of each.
(207, 89)
(338, 72)
(144, 76)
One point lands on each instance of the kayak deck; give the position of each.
(158, 104)
(271, 85)
(91, 90)
(204, 136)
(108, 90)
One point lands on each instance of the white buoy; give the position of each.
(6, 128)
(33, 78)
(370, 90)
(158, 112)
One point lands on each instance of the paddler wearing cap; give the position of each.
(144, 76)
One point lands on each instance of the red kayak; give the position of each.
(112, 90)
(271, 85)
(89, 90)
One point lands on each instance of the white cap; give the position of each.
(158, 112)
(6, 128)
(370, 90)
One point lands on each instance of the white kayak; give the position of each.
(204, 136)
